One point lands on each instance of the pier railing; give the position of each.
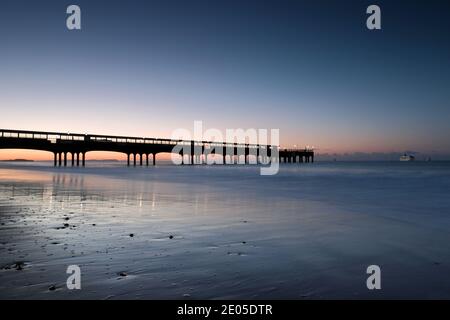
(55, 136)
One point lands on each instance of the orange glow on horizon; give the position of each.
(36, 155)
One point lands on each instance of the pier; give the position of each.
(71, 148)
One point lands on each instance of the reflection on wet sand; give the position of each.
(206, 232)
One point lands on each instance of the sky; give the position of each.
(308, 68)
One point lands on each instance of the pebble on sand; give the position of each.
(19, 265)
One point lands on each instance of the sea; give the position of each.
(312, 231)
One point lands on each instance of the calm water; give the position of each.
(225, 231)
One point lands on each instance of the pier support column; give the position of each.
(224, 159)
(146, 159)
(78, 159)
(55, 161)
(134, 159)
(65, 159)
(83, 159)
(60, 158)
(154, 159)
(128, 159)
(140, 159)
(192, 158)
(73, 159)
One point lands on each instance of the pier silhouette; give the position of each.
(140, 150)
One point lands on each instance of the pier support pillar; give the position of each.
(78, 159)
(73, 159)
(83, 159)
(146, 159)
(55, 161)
(65, 159)
(134, 159)
(154, 159)
(60, 158)
(128, 159)
(140, 159)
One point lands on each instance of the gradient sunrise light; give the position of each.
(312, 70)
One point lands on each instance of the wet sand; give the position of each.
(214, 232)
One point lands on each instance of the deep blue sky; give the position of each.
(309, 68)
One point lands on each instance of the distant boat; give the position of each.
(407, 157)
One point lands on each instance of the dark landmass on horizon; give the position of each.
(380, 156)
(17, 160)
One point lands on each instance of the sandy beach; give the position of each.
(219, 232)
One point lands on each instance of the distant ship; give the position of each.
(407, 157)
